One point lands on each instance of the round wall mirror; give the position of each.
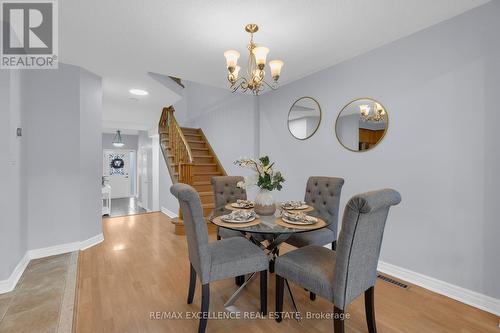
(304, 118)
(361, 124)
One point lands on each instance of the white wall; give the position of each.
(440, 88)
(145, 170)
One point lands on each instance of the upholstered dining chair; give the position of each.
(225, 191)
(342, 275)
(322, 193)
(219, 260)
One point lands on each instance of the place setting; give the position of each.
(296, 206)
(241, 204)
(239, 218)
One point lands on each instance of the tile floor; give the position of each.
(125, 206)
(43, 299)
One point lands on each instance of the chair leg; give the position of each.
(334, 245)
(312, 296)
(370, 310)
(239, 280)
(280, 289)
(263, 292)
(192, 284)
(205, 301)
(271, 266)
(218, 237)
(338, 320)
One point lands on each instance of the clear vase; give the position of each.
(264, 203)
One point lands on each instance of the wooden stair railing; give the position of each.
(190, 159)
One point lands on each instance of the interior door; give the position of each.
(116, 167)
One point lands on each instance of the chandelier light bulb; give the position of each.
(364, 109)
(260, 54)
(275, 66)
(231, 59)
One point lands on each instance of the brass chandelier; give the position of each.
(255, 69)
(378, 113)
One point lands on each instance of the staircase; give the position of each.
(190, 159)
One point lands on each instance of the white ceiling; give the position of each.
(123, 40)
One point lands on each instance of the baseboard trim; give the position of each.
(10, 283)
(92, 241)
(169, 213)
(472, 298)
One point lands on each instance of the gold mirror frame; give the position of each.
(319, 122)
(342, 110)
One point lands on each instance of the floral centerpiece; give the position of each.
(266, 178)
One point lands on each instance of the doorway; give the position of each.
(120, 178)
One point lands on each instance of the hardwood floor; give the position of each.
(142, 267)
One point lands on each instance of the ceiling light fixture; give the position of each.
(255, 68)
(117, 140)
(378, 114)
(138, 92)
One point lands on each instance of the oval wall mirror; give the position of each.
(304, 118)
(361, 124)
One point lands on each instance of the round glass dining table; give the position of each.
(271, 230)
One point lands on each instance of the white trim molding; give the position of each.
(168, 212)
(460, 294)
(10, 283)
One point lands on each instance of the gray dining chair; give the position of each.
(226, 191)
(322, 193)
(342, 275)
(219, 260)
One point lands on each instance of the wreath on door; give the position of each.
(117, 163)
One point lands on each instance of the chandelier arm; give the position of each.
(273, 86)
(236, 81)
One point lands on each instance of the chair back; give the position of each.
(195, 227)
(323, 193)
(358, 247)
(226, 191)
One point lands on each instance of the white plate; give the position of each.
(237, 205)
(223, 218)
(308, 222)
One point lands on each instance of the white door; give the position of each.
(116, 167)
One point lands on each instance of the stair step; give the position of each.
(191, 136)
(196, 144)
(203, 186)
(204, 167)
(203, 159)
(187, 130)
(199, 151)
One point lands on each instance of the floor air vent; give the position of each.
(392, 281)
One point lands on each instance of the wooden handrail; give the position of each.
(178, 145)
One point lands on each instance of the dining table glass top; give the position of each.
(272, 224)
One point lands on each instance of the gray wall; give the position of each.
(440, 88)
(90, 154)
(13, 221)
(131, 141)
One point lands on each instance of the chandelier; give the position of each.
(377, 115)
(255, 69)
